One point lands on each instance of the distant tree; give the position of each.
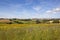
(55, 21)
(10, 19)
(44, 21)
(18, 22)
(9, 23)
(25, 19)
(14, 19)
(37, 22)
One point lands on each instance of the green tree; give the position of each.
(37, 22)
(55, 21)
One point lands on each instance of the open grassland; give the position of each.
(29, 31)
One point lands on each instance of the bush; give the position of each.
(9, 23)
(56, 21)
(37, 22)
(18, 22)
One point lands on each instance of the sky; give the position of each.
(29, 8)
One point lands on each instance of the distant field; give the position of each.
(29, 31)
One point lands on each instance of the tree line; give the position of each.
(31, 21)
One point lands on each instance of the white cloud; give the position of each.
(55, 10)
(37, 8)
(52, 13)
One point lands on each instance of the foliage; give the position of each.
(18, 22)
(56, 21)
(27, 21)
(37, 22)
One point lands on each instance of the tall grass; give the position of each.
(30, 32)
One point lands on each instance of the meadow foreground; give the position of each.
(29, 31)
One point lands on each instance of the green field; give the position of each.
(29, 31)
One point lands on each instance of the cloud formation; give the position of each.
(37, 8)
(29, 8)
(55, 10)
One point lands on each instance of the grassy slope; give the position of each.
(29, 31)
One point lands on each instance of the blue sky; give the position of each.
(29, 8)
